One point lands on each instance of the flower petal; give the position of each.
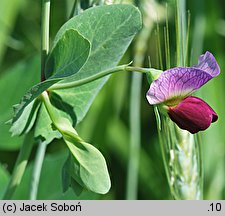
(207, 63)
(178, 83)
(192, 114)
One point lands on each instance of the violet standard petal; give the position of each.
(177, 83)
(207, 63)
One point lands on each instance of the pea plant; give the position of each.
(85, 49)
(75, 66)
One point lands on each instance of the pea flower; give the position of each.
(173, 88)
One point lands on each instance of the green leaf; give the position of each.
(43, 127)
(110, 30)
(119, 24)
(81, 98)
(76, 57)
(24, 124)
(13, 83)
(68, 55)
(32, 94)
(88, 167)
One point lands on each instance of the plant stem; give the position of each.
(48, 106)
(98, 76)
(181, 32)
(76, 9)
(159, 46)
(167, 40)
(187, 40)
(60, 123)
(140, 49)
(199, 31)
(37, 169)
(135, 137)
(44, 53)
(44, 35)
(20, 166)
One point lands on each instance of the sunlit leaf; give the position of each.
(110, 30)
(88, 167)
(43, 127)
(119, 24)
(68, 55)
(27, 119)
(73, 54)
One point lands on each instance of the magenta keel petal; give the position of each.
(192, 114)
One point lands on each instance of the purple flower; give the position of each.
(173, 88)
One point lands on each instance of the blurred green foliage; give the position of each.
(107, 122)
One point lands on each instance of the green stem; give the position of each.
(20, 166)
(187, 40)
(73, 9)
(140, 50)
(44, 53)
(61, 124)
(44, 97)
(181, 32)
(76, 9)
(37, 169)
(199, 31)
(98, 76)
(159, 47)
(44, 35)
(167, 40)
(135, 137)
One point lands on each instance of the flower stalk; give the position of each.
(122, 68)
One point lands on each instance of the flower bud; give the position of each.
(192, 114)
